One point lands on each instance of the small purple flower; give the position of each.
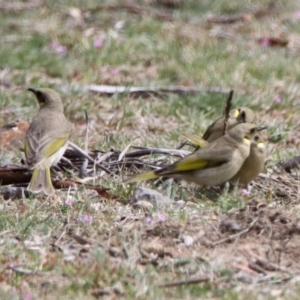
(98, 43)
(265, 42)
(297, 15)
(245, 192)
(28, 296)
(161, 218)
(85, 219)
(148, 220)
(61, 49)
(58, 48)
(69, 202)
(54, 45)
(277, 99)
(115, 71)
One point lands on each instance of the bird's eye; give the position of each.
(243, 116)
(41, 97)
(252, 130)
(256, 138)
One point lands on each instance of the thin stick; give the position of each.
(83, 168)
(227, 110)
(83, 153)
(184, 282)
(237, 235)
(136, 92)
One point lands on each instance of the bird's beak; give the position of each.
(262, 127)
(32, 90)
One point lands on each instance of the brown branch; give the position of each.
(269, 266)
(184, 282)
(227, 111)
(103, 192)
(255, 267)
(82, 172)
(13, 192)
(133, 9)
(144, 92)
(22, 176)
(14, 175)
(18, 6)
(229, 19)
(288, 165)
(237, 235)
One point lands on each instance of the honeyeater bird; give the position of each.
(46, 139)
(253, 164)
(236, 116)
(212, 165)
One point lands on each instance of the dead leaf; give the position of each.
(12, 135)
(272, 42)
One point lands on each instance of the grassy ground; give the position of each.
(81, 247)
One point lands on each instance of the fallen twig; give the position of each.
(237, 235)
(19, 269)
(253, 266)
(229, 19)
(269, 266)
(18, 6)
(86, 155)
(103, 192)
(83, 168)
(133, 9)
(14, 175)
(123, 153)
(14, 192)
(147, 151)
(288, 165)
(110, 90)
(184, 282)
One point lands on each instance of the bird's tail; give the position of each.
(41, 182)
(143, 176)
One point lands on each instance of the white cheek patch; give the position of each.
(261, 145)
(247, 141)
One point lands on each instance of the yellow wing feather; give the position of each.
(140, 177)
(53, 146)
(195, 139)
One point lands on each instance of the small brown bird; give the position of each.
(46, 139)
(253, 165)
(212, 165)
(237, 116)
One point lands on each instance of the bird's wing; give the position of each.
(44, 138)
(40, 146)
(195, 139)
(207, 133)
(218, 126)
(207, 157)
